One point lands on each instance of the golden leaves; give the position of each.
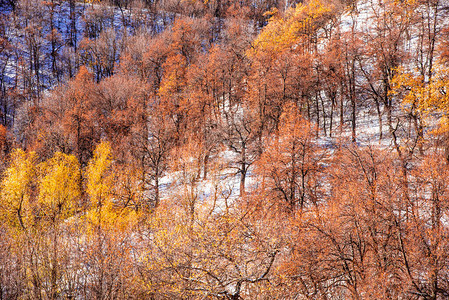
(103, 211)
(56, 183)
(99, 180)
(16, 188)
(59, 186)
(50, 191)
(287, 32)
(421, 94)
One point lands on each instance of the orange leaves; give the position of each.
(79, 113)
(290, 162)
(181, 51)
(84, 76)
(2, 137)
(184, 37)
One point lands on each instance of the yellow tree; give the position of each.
(107, 244)
(105, 211)
(16, 212)
(421, 99)
(292, 30)
(16, 189)
(205, 254)
(59, 189)
(99, 179)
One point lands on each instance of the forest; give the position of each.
(217, 149)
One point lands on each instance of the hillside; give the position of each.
(224, 150)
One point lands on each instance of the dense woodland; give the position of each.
(216, 149)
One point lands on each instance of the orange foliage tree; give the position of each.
(292, 161)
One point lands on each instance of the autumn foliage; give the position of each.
(223, 150)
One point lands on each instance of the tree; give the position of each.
(107, 224)
(16, 189)
(59, 192)
(242, 136)
(78, 119)
(394, 29)
(152, 143)
(290, 164)
(285, 32)
(420, 99)
(17, 212)
(54, 37)
(3, 141)
(101, 54)
(59, 188)
(34, 42)
(99, 181)
(6, 54)
(353, 240)
(217, 255)
(283, 57)
(427, 241)
(184, 45)
(330, 73)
